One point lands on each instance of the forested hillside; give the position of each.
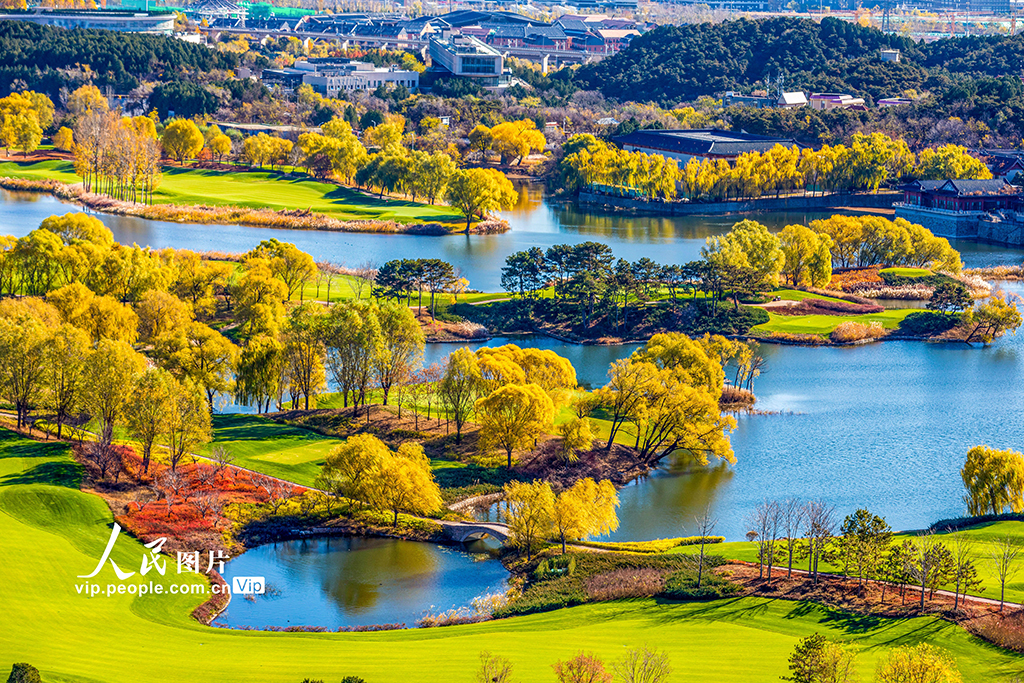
(35, 55)
(678, 63)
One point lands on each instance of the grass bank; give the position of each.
(258, 191)
(56, 532)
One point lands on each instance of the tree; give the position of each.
(930, 562)
(109, 377)
(764, 523)
(748, 244)
(476, 191)
(515, 140)
(23, 350)
(577, 435)
(993, 318)
(349, 469)
(705, 527)
(965, 572)
(86, 100)
(182, 140)
(921, 663)
(352, 338)
(64, 364)
(64, 139)
(404, 482)
(643, 665)
(400, 348)
(259, 297)
(820, 522)
(865, 538)
(160, 313)
(585, 509)
(950, 297)
(807, 258)
(304, 351)
(818, 660)
(201, 354)
(494, 669)
(1004, 562)
(529, 512)
(584, 667)
(188, 422)
(994, 481)
(460, 385)
(949, 162)
(147, 410)
(22, 672)
(219, 145)
(20, 131)
(258, 372)
(513, 416)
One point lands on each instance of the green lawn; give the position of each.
(799, 295)
(983, 535)
(824, 324)
(907, 272)
(257, 189)
(263, 445)
(50, 533)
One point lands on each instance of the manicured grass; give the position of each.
(799, 295)
(263, 445)
(51, 532)
(257, 189)
(984, 536)
(908, 272)
(824, 324)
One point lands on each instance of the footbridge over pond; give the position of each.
(463, 532)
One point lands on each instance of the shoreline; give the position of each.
(202, 214)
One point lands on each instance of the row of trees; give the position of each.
(535, 514)
(863, 546)
(868, 162)
(118, 156)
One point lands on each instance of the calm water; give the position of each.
(336, 582)
(535, 222)
(884, 426)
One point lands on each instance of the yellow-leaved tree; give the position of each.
(514, 140)
(513, 416)
(182, 140)
(921, 662)
(530, 509)
(994, 481)
(584, 510)
(475, 191)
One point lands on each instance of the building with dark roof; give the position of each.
(989, 210)
(684, 145)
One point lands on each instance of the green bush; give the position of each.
(24, 673)
(682, 585)
(928, 323)
(726, 320)
(933, 280)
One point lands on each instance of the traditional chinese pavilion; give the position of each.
(962, 195)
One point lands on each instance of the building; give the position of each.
(332, 76)
(963, 209)
(823, 101)
(1005, 164)
(125, 22)
(889, 55)
(683, 145)
(735, 99)
(455, 54)
(792, 100)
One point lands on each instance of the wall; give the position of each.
(882, 200)
(948, 224)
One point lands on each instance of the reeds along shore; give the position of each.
(259, 218)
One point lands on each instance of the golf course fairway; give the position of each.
(51, 532)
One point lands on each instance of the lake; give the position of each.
(885, 426)
(338, 582)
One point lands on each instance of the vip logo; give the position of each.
(248, 585)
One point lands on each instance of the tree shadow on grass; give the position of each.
(728, 609)
(251, 428)
(56, 470)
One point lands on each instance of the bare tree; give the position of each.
(765, 521)
(820, 524)
(1004, 561)
(222, 459)
(364, 275)
(929, 561)
(206, 503)
(494, 669)
(965, 573)
(792, 518)
(705, 526)
(643, 665)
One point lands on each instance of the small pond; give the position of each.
(344, 582)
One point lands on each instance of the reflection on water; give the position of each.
(535, 222)
(336, 582)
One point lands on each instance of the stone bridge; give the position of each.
(464, 532)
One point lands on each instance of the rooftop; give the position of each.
(963, 187)
(702, 141)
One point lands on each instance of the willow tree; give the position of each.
(513, 416)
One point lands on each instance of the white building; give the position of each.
(329, 79)
(466, 56)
